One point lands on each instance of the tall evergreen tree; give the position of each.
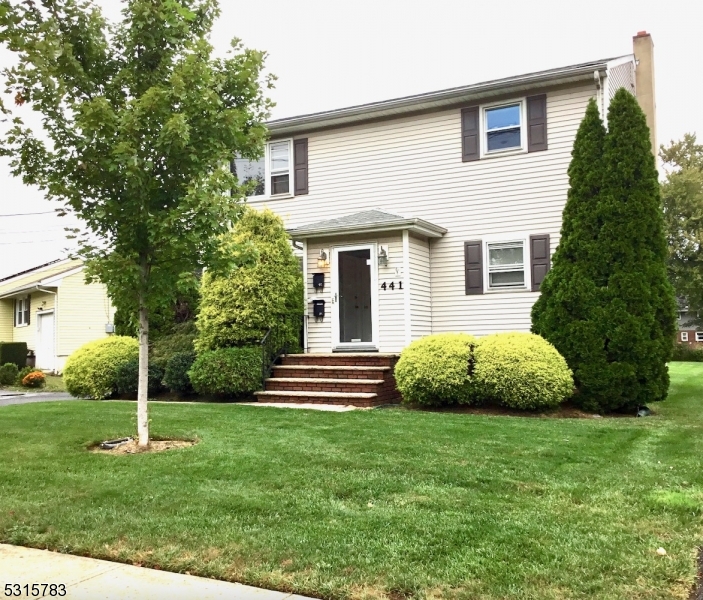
(563, 312)
(637, 308)
(606, 304)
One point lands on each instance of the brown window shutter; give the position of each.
(470, 134)
(537, 123)
(539, 259)
(300, 164)
(26, 309)
(473, 267)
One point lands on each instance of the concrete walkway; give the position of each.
(91, 579)
(7, 397)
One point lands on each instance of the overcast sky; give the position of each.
(333, 54)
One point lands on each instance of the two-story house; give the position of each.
(431, 213)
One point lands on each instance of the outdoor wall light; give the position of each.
(322, 261)
(383, 256)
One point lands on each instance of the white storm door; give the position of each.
(354, 298)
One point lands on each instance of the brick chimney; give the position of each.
(643, 49)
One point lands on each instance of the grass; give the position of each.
(54, 383)
(371, 504)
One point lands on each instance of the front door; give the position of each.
(354, 310)
(45, 342)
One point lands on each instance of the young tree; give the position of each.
(563, 313)
(682, 198)
(139, 122)
(637, 308)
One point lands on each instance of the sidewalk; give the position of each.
(91, 579)
(7, 397)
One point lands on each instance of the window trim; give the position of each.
(483, 124)
(20, 314)
(684, 336)
(527, 282)
(699, 336)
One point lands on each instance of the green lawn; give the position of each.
(385, 503)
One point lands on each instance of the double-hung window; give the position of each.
(21, 312)
(279, 165)
(699, 336)
(270, 175)
(684, 336)
(503, 127)
(506, 265)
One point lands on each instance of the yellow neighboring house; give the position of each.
(54, 310)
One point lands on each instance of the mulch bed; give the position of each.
(154, 446)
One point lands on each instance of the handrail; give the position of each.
(277, 342)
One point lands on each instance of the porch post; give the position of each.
(406, 286)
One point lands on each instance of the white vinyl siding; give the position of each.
(412, 166)
(420, 292)
(83, 311)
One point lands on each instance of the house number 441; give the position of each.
(391, 285)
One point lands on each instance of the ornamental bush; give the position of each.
(521, 370)
(91, 371)
(35, 379)
(238, 308)
(127, 378)
(227, 371)
(8, 373)
(436, 369)
(178, 341)
(176, 376)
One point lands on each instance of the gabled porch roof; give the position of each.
(368, 221)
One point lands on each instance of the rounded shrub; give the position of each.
(228, 371)
(127, 378)
(176, 376)
(8, 374)
(91, 371)
(35, 379)
(522, 370)
(437, 370)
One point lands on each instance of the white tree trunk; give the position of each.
(142, 394)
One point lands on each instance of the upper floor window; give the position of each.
(510, 127)
(503, 127)
(272, 174)
(279, 160)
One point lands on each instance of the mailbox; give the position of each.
(318, 281)
(318, 308)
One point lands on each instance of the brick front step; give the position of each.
(308, 384)
(358, 399)
(330, 372)
(357, 359)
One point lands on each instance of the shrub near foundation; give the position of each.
(434, 370)
(227, 371)
(521, 370)
(91, 371)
